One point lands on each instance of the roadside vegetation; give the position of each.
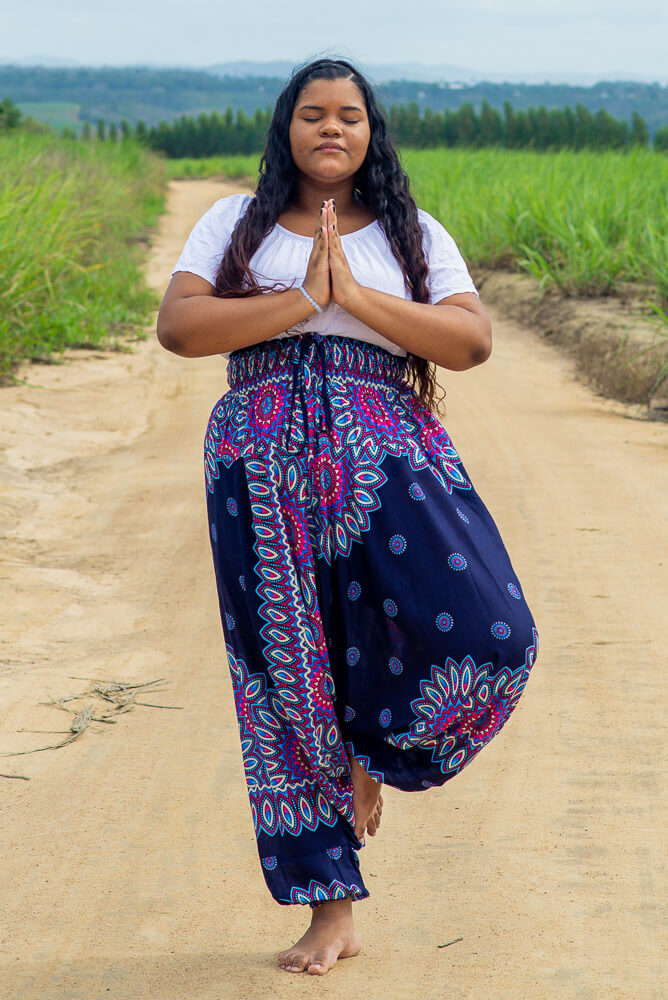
(73, 223)
(75, 214)
(585, 222)
(233, 167)
(588, 223)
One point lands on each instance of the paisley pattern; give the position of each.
(342, 522)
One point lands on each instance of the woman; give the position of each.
(374, 626)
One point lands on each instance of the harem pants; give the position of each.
(369, 606)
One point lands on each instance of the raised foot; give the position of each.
(331, 936)
(367, 800)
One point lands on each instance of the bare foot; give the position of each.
(367, 800)
(331, 936)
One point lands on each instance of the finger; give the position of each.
(322, 219)
(334, 239)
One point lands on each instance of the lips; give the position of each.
(330, 145)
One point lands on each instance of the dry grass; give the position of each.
(122, 695)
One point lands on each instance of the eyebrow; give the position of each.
(319, 107)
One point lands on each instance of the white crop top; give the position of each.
(283, 256)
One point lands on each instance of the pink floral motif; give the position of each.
(267, 406)
(462, 706)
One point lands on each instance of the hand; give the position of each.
(344, 286)
(317, 279)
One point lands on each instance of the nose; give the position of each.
(330, 127)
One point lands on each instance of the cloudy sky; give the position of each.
(514, 37)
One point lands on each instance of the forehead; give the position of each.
(330, 94)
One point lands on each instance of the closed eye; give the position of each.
(346, 121)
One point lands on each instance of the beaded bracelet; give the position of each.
(311, 300)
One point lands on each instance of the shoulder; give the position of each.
(210, 236)
(436, 237)
(225, 212)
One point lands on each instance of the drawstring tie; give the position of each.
(298, 382)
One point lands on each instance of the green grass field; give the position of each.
(585, 222)
(72, 220)
(582, 221)
(213, 166)
(57, 114)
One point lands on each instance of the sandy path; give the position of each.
(128, 863)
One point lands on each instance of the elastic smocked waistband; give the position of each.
(336, 354)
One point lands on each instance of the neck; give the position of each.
(310, 194)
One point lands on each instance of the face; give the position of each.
(329, 130)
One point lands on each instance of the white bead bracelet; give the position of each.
(311, 300)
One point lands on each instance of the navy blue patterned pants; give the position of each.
(369, 606)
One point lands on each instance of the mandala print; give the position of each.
(306, 460)
(444, 622)
(397, 544)
(457, 561)
(501, 630)
(283, 798)
(395, 665)
(461, 707)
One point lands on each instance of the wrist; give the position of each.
(315, 305)
(351, 298)
(302, 305)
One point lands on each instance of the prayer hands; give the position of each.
(328, 276)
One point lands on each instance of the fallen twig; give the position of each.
(120, 694)
(23, 777)
(79, 724)
(448, 943)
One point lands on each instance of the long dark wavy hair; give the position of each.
(380, 183)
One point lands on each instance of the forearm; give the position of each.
(448, 335)
(198, 326)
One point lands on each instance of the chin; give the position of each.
(335, 174)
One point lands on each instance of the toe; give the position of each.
(320, 963)
(299, 963)
(293, 962)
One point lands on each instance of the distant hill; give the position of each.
(442, 73)
(152, 94)
(378, 73)
(384, 72)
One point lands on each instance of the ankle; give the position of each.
(333, 911)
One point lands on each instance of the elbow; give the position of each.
(481, 353)
(168, 336)
(481, 348)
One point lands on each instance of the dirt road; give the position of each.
(128, 862)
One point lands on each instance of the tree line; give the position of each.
(229, 132)
(157, 94)
(534, 128)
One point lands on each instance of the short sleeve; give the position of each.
(448, 273)
(210, 236)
